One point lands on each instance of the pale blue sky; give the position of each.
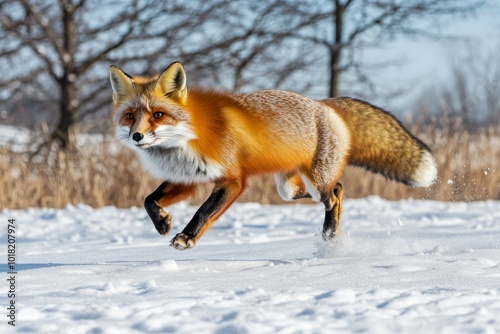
(426, 62)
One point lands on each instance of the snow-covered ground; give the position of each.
(400, 267)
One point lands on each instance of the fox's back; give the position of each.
(287, 114)
(290, 124)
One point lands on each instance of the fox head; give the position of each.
(149, 111)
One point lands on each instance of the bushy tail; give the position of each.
(380, 143)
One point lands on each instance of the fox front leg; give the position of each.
(165, 195)
(223, 195)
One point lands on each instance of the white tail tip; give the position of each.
(426, 173)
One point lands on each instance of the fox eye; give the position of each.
(129, 115)
(158, 114)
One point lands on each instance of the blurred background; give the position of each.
(432, 63)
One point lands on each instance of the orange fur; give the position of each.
(219, 121)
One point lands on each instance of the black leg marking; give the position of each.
(187, 238)
(222, 196)
(212, 205)
(161, 219)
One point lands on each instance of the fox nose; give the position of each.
(137, 136)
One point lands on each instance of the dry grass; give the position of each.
(106, 175)
(468, 169)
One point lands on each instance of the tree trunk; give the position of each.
(334, 72)
(64, 133)
(336, 49)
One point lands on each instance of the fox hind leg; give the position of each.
(331, 197)
(333, 209)
(293, 186)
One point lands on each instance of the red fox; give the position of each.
(190, 137)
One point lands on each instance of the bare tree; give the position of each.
(57, 52)
(355, 25)
(471, 96)
(264, 55)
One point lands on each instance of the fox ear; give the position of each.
(172, 81)
(121, 82)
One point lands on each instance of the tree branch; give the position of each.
(44, 24)
(101, 54)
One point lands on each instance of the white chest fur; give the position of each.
(179, 165)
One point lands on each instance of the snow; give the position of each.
(410, 266)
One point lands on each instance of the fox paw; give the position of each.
(330, 234)
(165, 224)
(183, 241)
